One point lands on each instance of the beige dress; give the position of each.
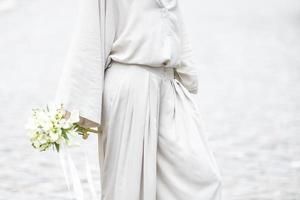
(152, 145)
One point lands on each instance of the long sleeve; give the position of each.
(82, 80)
(186, 73)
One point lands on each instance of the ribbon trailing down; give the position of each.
(72, 177)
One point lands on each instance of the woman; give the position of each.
(130, 72)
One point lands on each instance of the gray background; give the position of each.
(249, 68)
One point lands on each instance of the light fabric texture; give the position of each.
(130, 71)
(146, 32)
(152, 146)
(81, 84)
(147, 25)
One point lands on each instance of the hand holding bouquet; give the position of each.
(50, 128)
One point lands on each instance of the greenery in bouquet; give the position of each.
(50, 128)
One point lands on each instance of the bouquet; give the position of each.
(50, 128)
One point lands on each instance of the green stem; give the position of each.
(91, 130)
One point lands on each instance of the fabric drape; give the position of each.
(99, 39)
(153, 146)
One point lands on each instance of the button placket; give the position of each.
(165, 15)
(168, 21)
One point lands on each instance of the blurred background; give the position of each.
(249, 67)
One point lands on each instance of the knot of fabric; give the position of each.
(168, 4)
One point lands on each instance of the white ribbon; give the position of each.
(71, 174)
(89, 175)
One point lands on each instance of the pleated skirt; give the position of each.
(152, 146)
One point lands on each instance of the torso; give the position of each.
(148, 33)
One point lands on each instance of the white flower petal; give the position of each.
(74, 117)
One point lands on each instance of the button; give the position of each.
(164, 12)
(169, 4)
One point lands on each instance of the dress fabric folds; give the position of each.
(152, 145)
(130, 72)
